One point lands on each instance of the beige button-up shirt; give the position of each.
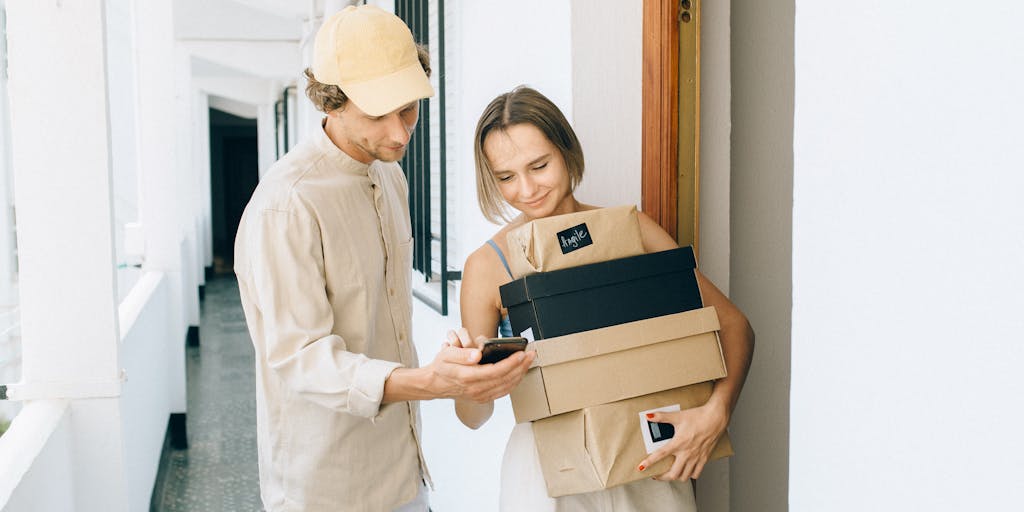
(323, 263)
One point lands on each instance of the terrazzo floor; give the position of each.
(218, 471)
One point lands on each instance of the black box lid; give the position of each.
(546, 284)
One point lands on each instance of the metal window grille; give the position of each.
(416, 163)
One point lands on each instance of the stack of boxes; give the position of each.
(614, 340)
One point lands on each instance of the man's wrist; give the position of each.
(406, 384)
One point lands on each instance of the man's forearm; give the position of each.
(406, 384)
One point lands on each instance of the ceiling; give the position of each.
(295, 9)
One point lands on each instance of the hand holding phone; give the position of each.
(496, 349)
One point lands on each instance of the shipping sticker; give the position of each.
(657, 434)
(576, 237)
(528, 334)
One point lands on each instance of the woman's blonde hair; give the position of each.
(521, 105)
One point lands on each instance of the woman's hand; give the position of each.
(696, 432)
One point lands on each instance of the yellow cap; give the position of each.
(370, 54)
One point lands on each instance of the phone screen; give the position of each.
(496, 349)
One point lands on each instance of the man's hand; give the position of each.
(455, 373)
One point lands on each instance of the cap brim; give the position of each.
(386, 94)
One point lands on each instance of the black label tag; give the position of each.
(661, 431)
(574, 238)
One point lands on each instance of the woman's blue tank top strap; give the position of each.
(500, 255)
(505, 327)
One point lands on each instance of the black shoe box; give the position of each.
(551, 304)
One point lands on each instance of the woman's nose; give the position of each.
(526, 187)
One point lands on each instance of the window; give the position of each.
(425, 162)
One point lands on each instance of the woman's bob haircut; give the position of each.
(521, 105)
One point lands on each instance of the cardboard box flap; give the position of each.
(604, 273)
(621, 337)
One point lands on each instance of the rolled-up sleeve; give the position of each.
(287, 266)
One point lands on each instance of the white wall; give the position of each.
(907, 251)
(713, 487)
(497, 46)
(760, 258)
(607, 80)
(149, 337)
(37, 472)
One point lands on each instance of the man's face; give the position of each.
(367, 138)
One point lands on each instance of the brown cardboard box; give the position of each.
(574, 239)
(599, 447)
(618, 362)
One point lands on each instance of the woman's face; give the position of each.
(529, 170)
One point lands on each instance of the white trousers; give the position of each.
(523, 487)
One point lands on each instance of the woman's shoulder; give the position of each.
(482, 275)
(484, 260)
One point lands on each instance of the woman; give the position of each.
(528, 158)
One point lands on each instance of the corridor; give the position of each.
(218, 472)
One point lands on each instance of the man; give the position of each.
(323, 263)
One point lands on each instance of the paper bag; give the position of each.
(574, 239)
(599, 447)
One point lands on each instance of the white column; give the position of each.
(265, 137)
(201, 167)
(183, 130)
(61, 141)
(7, 291)
(161, 208)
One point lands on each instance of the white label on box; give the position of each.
(528, 334)
(656, 434)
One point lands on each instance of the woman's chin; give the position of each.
(536, 212)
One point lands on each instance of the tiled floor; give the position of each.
(218, 472)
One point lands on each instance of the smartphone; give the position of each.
(496, 349)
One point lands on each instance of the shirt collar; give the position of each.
(336, 156)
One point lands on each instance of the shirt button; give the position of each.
(391, 292)
(401, 336)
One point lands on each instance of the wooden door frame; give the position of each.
(660, 139)
(660, 116)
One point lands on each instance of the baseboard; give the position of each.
(177, 431)
(192, 336)
(173, 437)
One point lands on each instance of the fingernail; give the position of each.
(650, 415)
(641, 467)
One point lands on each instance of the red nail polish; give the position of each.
(641, 467)
(650, 415)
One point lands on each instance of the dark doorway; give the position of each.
(234, 173)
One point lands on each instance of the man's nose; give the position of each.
(398, 131)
